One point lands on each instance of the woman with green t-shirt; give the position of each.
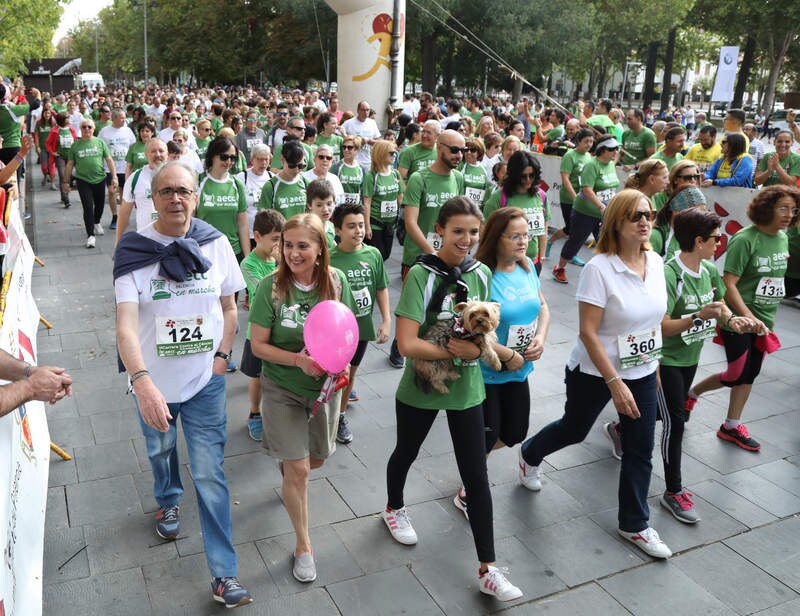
(520, 189)
(290, 378)
(135, 159)
(598, 183)
(326, 134)
(349, 172)
(781, 166)
(203, 137)
(86, 158)
(383, 194)
(662, 237)
(477, 182)
(222, 200)
(755, 263)
(432, 289)
(651, 177)
(46, 160)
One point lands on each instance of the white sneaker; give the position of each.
(400, 526)
(90, 241)
(495, 584)
(98, 229)
(529, 476)
(648, 542)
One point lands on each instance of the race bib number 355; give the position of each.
(178, 336)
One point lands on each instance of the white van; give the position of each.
(93, 81)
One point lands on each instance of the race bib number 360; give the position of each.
(178, 336)
(638, 348)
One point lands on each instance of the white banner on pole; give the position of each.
(726, 74)
(24, 443)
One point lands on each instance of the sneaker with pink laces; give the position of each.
(739, 436)
(680, 505)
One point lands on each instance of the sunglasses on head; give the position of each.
(639, 214)
(226, 157)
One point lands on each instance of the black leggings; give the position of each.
(744, 359)
(382, 239)
(93, 200)
(581, 226)
(506, 413)
(466, 431)
(675, 384)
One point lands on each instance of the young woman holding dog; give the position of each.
(524, 323)
(430, 292)
(622, 299)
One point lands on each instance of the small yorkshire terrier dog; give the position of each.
(476, 322)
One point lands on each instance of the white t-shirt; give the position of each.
(140, 196)
(118, 141)
(252, 187)
(188, 312)
(366, 130)
(631, 305)
(157, 112)
(191, 158)
(338, 189)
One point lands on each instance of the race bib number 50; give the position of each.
(178, 336)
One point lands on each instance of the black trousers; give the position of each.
(93, 200)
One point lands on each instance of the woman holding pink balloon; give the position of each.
(435, 284)
(302, 328)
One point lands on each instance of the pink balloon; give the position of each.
(331, 335)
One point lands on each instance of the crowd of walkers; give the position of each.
(276, 202)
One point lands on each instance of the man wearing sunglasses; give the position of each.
(426, 192)
(366, 128)
(295, 131)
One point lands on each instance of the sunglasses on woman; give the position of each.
(691, 176)
(639, 214)
(227, 157)
(302, 163)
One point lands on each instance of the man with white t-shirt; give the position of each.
(118, 137)
(136, 194)
(174, 283)
(366, 128)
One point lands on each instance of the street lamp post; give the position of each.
(146, 70)
(96, 49)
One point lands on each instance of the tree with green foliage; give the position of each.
(27, 27)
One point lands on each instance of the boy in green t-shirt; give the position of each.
(256, 266)
(320, 201)
(363, 266)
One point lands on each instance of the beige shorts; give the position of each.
(288, 435)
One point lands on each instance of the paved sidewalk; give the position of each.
(102, 556)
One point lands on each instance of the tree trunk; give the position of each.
(601, 77)
(775, 69)
(666, 82)
(677, 101)
(447, 69)
(592, 78)
(649, 75)
(744, 72)
(429, 63)
(516, 91)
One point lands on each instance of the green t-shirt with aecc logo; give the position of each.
(89, 156)
(383, 189)
(760, 260)
(535, 211)
(416, 157)
(352, 179)
(289, 198)
(602, 178)
(476, 183)
(687, 293)
(573, 163)
(286, 332)
(136, 156)
(219, 204)
(366, 275)
(202, 148)
(467, 391)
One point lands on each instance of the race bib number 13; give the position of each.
(178, 336)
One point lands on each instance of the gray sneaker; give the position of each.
(343, 433)
(680, 506)
(168, 523)
(304, 570)
(611, 430)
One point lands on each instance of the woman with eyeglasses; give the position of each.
(734, 167)
(755, 265)
(349, 171)
(477, 183)
(520, 188)
(86, 158)
(222, 200)
(290, 378)
(135, 159)
(599, 182)
(187, 156)
(203, 137)
(286, 190)
(781, 166)
(524, 323)
(323, 160)
(383, 195)
(327, 125)
(622, 299)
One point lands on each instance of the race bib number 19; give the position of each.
(180, 336)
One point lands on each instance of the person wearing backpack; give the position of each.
(432, 289)
(136, 194)
(383, 194)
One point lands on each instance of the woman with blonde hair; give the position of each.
(382, 196)
(652, 178)
(622, 300)
(290, 379)
(349, 171)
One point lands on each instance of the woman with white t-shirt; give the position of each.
(254, 179)
(622, 300)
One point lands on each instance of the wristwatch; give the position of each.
(225, 356)
(696, 320)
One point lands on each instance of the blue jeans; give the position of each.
(203, 419)
(586, 397)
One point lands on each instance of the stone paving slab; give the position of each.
(561, 546)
